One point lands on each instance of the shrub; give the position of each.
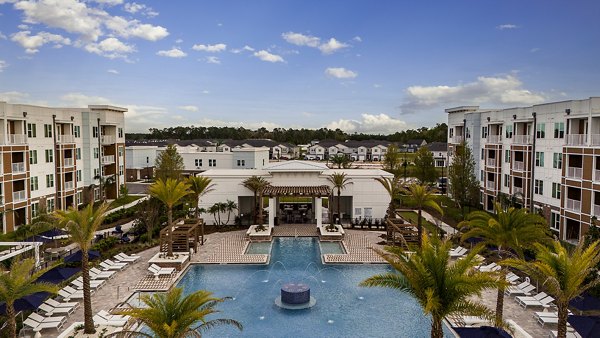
(105, 244)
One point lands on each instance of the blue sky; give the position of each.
(362, 66)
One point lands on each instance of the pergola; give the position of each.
(316, 192)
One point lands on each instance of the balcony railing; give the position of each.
(107, 139)
(65, 139)
(494, 138)
(519, 165)
(596, 175)
(108, 159)
(517, 190)
(522, 139)
(490, 162)
(576, 139)
(17, 138)
(491, 185)
(68, 162)
(69, 185)
(573, 205)
(596, 139)
(574, 172)
(458, 139)
(19, 196)
(18, 167)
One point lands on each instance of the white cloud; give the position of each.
(534, 50)
(109, 2)
(340, 73)
(246, 48)
(205, 92)
(172, 53)
(134, 28)
(332, 46)
(507, 26)
(299, 39)
(23, 27)
(134, 7)
(268, 57)
(111, 48)
(499, 90)
(178, 41)
(3, 65)
(189, 108)
(219, 47)
(13, 96)
(32, 43)
(377, 85)
(2, 36)
(213, 59)
(357, 38)
(113, 71)
(370, 123)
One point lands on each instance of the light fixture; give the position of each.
(568, 111)
(24, 114)
(515, 117)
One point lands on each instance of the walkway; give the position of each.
(227, 248)
(448, 229)
(358, 247)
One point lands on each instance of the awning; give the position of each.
(311, 191)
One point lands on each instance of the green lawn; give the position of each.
(123, 200)
(412, 217)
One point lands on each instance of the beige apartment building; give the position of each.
(546, 157)
(55, 158)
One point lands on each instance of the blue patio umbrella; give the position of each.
(58, 275)
(76, 257)
(586, 302)
(586, 326)
(481, 332)
(26, 303)
(53, 233)
(38, 238)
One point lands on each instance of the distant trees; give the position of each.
(464, 186)
(169, 164)
(392, 160)
(424, 166)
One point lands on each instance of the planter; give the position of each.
(326, 235)
(255, 235)
(178, 261)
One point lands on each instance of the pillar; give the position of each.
(271, 212)
(319, 211)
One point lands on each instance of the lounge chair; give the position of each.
(458, 252)
(37, 326)
(57, 304)
(111, 262)
(544, 302)
(105, 318)
(50, 311)
(512, 278)
(474, 321)
(524, 288)
(109, 267)
(126, 258)
(68, 293)
(96, 273)
(490, 267)
(40, 319)
(543, 320)
(539, 296)
(158, 271)
(94, 284)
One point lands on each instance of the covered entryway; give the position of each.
(296, 212)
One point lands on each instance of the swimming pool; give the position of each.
(343, 309)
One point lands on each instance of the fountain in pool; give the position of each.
(295, 296)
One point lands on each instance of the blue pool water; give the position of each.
(343, 309)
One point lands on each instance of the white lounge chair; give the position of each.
(108, 261)
(539, 296)
(105, 318)
(94, 284)
(38, 318)
(519, 291)
(126, 258)
(96, 273)
(109, 267)
(512, 278)
(55, 303)
(50, 311)
(68, 293)
(544, 302)
(474, 321)
(458, 252)
(158, 271)
(490, 267)
(37, 326)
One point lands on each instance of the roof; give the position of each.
(318, 191)
(417, 141)
(437, 146)
(296, 165)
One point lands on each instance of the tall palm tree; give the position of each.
(199, 186)
(170, 192)
(392, 186)
(563, 273)
(171, 315)
(257, 184)
(442, 288)
(511, 231)
(19, 282)
(339, 182)
(422, 196)
(82, 225)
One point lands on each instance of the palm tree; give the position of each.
(511, 231)
(19, 282)
(422, 196)
(563, 273)
(199, 186)
(230, 206)
(257, 184)
(214, 210)
(82, 225)
(441, 288)
(339, 182)
(392, 186)
(170, 192)
(170, 315)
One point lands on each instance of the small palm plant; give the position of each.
(171, 315)
(441, 288)
(392, 186)
(422, 196)
(339, 181)
(257, 184)
(199, 186)
(563, 273)
(17, 283)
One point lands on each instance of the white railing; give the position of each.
(573, 205)
(491, 185)
(69, 185)
(19, 196)
(106, 139)
(576, 139)
(517, 190)
(522, 139)
(65, 139)
(458, 139)
(490, 162)
(574, 172)
(494, 138)
(596, 139)
(17, 138)
(108, 159)
(596, 210)
(68, 162)
(518, 165)
(596, 175)
(18, 167)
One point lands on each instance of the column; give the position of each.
(271, 212)
(319, 211)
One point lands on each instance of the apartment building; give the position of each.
(52, 158)
(368, 150)
(546, 156)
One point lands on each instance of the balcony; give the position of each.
(494, 138)
(491, 185)
(519, 166)
(573, 205)
(596, 139)
(18, 168)
(522, 139)
(68, 162)
(19, 196)
(69, 185)
(490, 162)
(458, 139)
(17, 139)
(574, 172)
(576, 139)
(62, 139)
(517, 190)
(596, 210)
(106, 140)
(108, 159)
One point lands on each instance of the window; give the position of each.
(50, 205)
(120, 151)
(33, 183)
(78, 175)
(539, 159)
(77, 131)
(484, 132)
(451, 132)
(49, 156)
(198, 162)
(120, 131)
(96, 153)
(33, 157)
(79, 197)
(556, 190)
(357, 212)
(121, 170)
(49, 181)
(555, 221)
(468, 133)
(239, 163)
(538, 187)
(507, 156)
(557, 161)
(506, 180)
(31, 130)
(212, 163)
(243, 163)
(35, 209)
(482, 154)
(78, 153)
(47, 130)
(559, 130)
(509, 130)
(94, 132)
(96, 173)
(481, 176)
(540, 130)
